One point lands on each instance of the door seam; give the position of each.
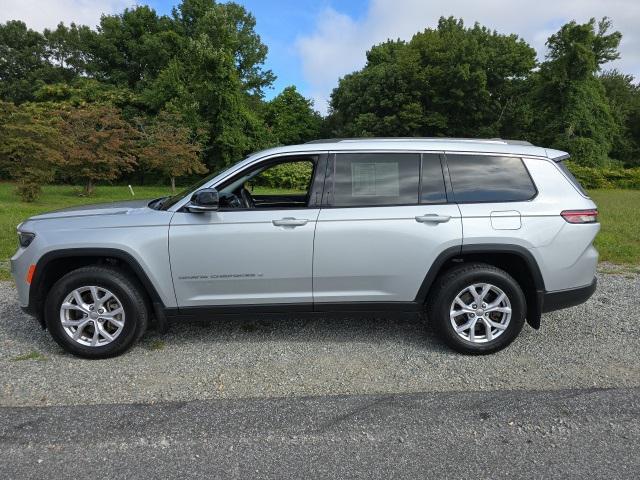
(313, 261)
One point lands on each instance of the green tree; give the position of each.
(169, 146)
(30, 59)
(205, 85)
(132, 47)
(205, 60)
(216, 79)
(84, 90)
(447, 81)
(573, 111)
(99, 144)
(624, 99)
(22, 61)
(66, 49)
(231, 27)
(30, 150)
(291, 118)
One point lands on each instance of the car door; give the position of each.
(385, 219)
(247, 256)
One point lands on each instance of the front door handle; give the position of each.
(290, 222)
(432, 218)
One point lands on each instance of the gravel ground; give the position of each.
(592, 345)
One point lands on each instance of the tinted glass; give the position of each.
(432, 185)
(481, 178)
(364, 179)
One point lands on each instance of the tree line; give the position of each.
(173, 95)
(458, 81)
(168, 96)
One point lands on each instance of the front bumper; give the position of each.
(567, 298)
(30, 308)
(19, 267)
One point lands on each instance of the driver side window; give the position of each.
(290, 178)
(284, 184)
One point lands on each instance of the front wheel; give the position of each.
(96, 312)
(477, 308)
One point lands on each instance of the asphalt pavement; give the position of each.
(585, 433)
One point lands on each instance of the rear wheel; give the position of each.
(96, 312)
(477, 308)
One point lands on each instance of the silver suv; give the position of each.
(479, 234)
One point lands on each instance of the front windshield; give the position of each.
(170, 201)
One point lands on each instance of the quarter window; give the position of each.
(367, 179)
(572, 178)
(484, 178)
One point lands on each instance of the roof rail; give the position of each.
(327, 140)
(514, 142)
(422, 139)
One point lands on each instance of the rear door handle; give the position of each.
(290, 222)
(432, 218)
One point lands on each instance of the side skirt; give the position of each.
(290, 310)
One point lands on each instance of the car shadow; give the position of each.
(374, 328)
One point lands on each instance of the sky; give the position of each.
(314, 43)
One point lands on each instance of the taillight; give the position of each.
(580, 216)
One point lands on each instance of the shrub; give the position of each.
(588, 177)
(630, 178)
(608, 177)
(28, 191)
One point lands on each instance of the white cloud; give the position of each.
(338, 44)
(41, 14)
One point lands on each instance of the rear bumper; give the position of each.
(567, 298)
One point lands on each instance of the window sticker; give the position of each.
(375, 179)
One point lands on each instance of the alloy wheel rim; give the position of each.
(480, 313)
(92, 316)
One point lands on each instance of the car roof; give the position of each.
(492, 145)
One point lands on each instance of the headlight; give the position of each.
(25, 238)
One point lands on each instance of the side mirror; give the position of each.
(205, 200)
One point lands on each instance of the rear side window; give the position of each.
(367, 179)
(483, 178)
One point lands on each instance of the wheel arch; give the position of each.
(514, 259)
(54, 264)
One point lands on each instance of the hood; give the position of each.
(114, 208)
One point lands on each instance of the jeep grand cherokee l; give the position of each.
(481, 235)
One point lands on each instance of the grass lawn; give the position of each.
(13, 211)
(618, 241)
(619, 238)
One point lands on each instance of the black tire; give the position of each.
(452, 282)
(126, 289)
